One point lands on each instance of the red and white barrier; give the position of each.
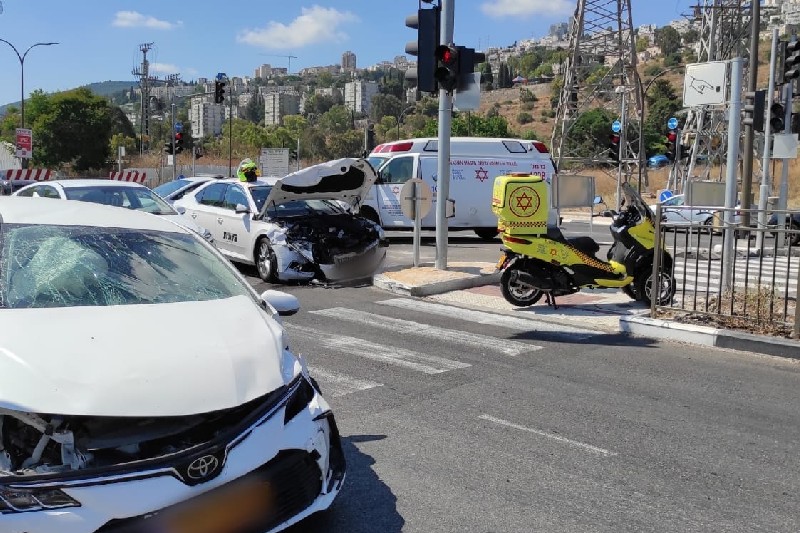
(28, 174)
(129, 175)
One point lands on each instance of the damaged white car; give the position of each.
(296, 227)
(112, 419)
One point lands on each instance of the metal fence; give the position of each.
(729, 275)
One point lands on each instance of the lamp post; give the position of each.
(400, 118)
(21, 58)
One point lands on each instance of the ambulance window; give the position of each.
(431, 146)
(398, 170)
(515, 147)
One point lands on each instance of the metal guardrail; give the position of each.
(723, 278)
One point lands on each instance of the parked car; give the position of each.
(658, 161)
(178, 188)
(115, 193)
(674, 212)
(792, 224)
(294, 228)
(113, 418)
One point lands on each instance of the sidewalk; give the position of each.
(477, 286)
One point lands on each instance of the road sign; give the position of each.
(24, 143)
(616, 126)
(672, 123)
(178, 126)
(704, 84)
(665, 195)
(274, 162)
(407, 198)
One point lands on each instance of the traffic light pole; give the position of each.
(747, 150)
(783, 198)
(763, 193)
(174, 147)
(443, 171)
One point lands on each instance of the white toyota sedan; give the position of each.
(111, 192)
(113, 418)
(295, 227)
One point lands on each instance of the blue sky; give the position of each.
(99, 39)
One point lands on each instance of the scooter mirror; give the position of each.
(598, 200)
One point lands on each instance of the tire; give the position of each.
(265, 261)
(370, 214)
(708, 224)
(628, 290)
(486, 234)
(642, 286)
(517, 293)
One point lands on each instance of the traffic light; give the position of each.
(671, 144)
(178, 142)
(468, 59)
(369, 138)
(777, 120)
(426, 22)
(219, 91)
(168, 148)
(613, 146)
(447, 71)
(754, 109)
(791, 61)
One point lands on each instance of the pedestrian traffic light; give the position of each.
(426, 22)
(178, 142)
(791, 61)
(369, 138)
(447, 74)
(613, 146)
(777, 119)
(219, 91)
(468, 59)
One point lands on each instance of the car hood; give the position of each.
(347, 180)
(172, 359)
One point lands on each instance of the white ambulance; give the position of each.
(474, 164)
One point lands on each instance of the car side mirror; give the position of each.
(241, 208)
(181, 210)
(284, 303)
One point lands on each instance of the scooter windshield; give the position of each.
(633, 198)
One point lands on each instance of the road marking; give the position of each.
(427, 364)
(588, 447)
(476, 341)
(491, 319)
(335, 385)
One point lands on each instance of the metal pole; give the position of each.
(787, 128)
(734, 112)
(298, 153)
(445, 116)
(622, 148)
(747, 155)
(230, 131)
(417, 223)
(174, 147)
(764, 190)
(796, 332)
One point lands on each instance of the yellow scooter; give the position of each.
(537, 260)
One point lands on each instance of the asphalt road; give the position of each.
(456, 420)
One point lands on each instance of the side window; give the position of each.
(234, 195)
(187, 190)
(28, 192)
(398, 170)
(47, 192)
(212, 195)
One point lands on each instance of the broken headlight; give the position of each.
(25, 500)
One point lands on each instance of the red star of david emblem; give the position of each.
(481, 174)
(524, 201)
(396, 190)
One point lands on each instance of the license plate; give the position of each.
(228, 510)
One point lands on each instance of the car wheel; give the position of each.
(370, 214)
(708, 224)
(265, 261)
(486, 234)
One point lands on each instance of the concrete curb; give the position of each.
(385, 283)
(639, 326)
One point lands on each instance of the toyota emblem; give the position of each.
(202, 467)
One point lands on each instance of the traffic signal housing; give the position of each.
(168, 148)
(447, 67)
(426, 22)
(754, 109)
(468, 59)
(671, 144)
(777, 119)
(791, 61)
(613, 146)
(219, 91)
(178, 142)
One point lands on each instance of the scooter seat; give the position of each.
(586, 245)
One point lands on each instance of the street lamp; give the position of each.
(402, 113)
(22, 73)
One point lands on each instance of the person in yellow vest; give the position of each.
(247, 171)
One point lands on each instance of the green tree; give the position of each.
(589, 135)
(347, 144)
(668, 39)
(384, 105)
(642, 43)
(487, 77)
(254, 110)
(338, 119)
(76, 129)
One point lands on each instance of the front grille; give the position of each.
(293, 475)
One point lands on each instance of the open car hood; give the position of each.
(347, 180)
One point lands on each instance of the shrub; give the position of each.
(527, 106)
(524, 118)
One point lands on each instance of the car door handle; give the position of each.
(219, 220)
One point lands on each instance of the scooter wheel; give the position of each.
(515, 292)
(628, 290)
(665, 287)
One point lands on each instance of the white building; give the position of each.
(348, 61)
(279, 105)
(358, 95)
(207, 118)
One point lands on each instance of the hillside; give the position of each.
(100, 88)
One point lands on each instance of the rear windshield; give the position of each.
(165, 189)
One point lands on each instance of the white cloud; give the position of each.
(314, 25)
(524, 8)
(133, 19)
(164, 68)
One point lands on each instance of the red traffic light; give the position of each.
(672, 136)
(178, 136)
(446, 55)
(614, 138)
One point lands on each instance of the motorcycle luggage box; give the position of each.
(521, 203)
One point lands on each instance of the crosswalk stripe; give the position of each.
(476, 341)
(334, 384)
(428, 364)
(491, 319)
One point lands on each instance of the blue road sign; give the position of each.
(672, 123)
(221, 75)
(665, 195)
(616, 126)
(178, 126)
